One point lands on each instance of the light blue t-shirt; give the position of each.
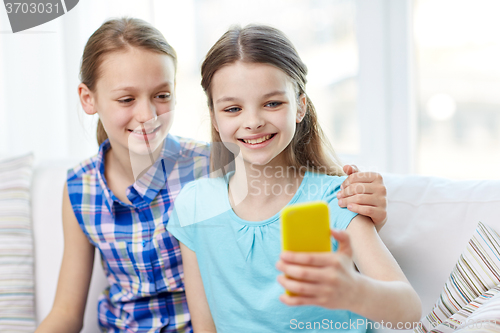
(237, 259)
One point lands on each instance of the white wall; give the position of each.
(33, 91)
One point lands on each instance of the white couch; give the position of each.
(430, 221)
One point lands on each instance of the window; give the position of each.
(458, 52)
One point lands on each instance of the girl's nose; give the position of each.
(145, 112)
(253, 120)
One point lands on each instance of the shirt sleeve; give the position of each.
(339, 217)
(180, 224)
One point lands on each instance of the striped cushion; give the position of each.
(485, 319)
(16, 246)
(469, 313)
(472, 282)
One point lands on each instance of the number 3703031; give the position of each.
(24, 7)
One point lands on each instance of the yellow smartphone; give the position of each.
(305, 227)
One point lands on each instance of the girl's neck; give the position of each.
(117, 163)
(126, 166)
(268, 187)
(140, 164)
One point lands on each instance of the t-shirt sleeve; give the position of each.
(339, 217)
(180, 224)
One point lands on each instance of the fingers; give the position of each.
(365, 185)
(350, 169)
(364, 193)
(362, 177)
(301, 272)
(364, 200)
(313, 267)
(301, 288)
(344, 242)
(377, 214)
(318, 259)
(318, 278)
(359, 188)
(310, 285)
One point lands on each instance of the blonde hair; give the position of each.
(118, 35)
(309, 147)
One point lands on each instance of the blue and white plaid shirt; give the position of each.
(142, 261)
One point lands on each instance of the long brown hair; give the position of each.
(118, 35)
(309, 148)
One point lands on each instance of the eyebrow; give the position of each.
(128, 88)
(232, 99)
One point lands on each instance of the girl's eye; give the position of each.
(126, 100)
(233, 109)
(274, 104)
(163, 96)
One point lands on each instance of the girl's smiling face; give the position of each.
(135, 92)
(255, 107)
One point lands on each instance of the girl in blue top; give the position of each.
(229, 228)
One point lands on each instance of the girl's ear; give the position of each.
(301, 108)
(87, 99)
(214, 121)
(175, 90)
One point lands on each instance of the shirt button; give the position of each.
(143, 243)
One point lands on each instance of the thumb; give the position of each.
(344, 242)
(350, 169)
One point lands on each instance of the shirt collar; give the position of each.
(151, 182)
(109, 197)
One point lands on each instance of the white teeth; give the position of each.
(258, 140)
(140, 132)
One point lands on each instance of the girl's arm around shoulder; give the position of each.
(74, 277)
(380, 292)
(195, 293)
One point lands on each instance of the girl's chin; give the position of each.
(264, 161)
(139, 146)
(258, 162)
(139, 151)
